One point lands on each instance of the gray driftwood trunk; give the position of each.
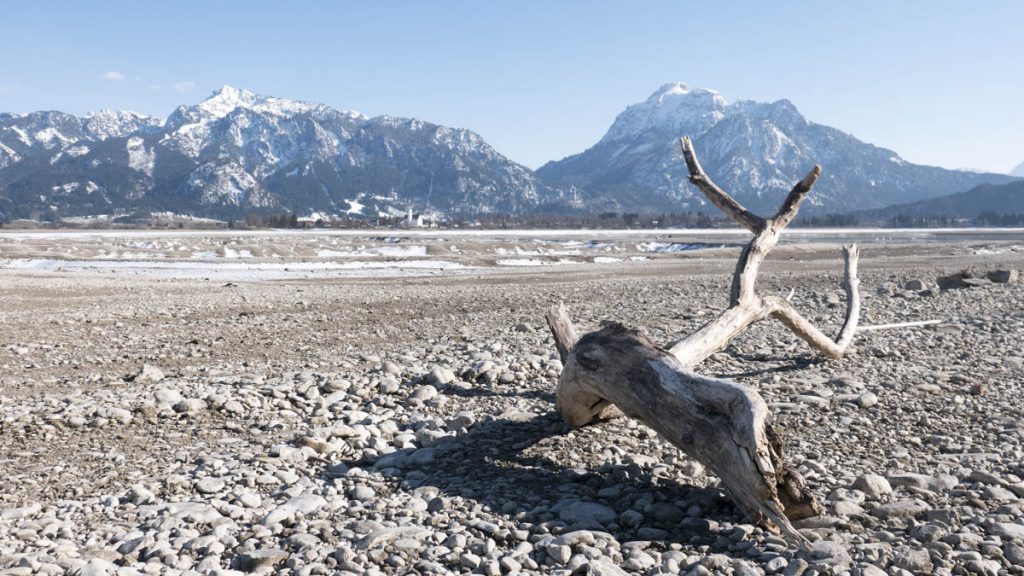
(724, 425)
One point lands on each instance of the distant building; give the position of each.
(413, 220)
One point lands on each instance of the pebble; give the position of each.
(587, 514)
(210, 485)
(261, 560)
(873, 486)
(867, 400)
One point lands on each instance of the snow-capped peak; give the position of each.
(105, 123)
(671, 89)
(1018, 171)
(674, 107)
(225, 100)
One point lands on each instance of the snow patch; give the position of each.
(50, 137)
(672, 247)
(139, 158)
(354, 207)
(535, 262)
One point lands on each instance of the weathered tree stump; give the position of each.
(724, 425)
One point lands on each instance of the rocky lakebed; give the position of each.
(407, 425)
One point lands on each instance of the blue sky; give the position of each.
(940, 82)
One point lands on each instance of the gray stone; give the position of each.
(847, 508)
(666, 513)
(1014, 554)
(915, 284)
(469, 560)
(424, 393)
(1008, 530)
(261, 560)
(867, 399)
(167, 396)
(463, 419)
(439, 376)
(873, 486)
(250, 500)
(1002, 276)
(587, 514)
(602, 566)
(776, 564)
(939, 483)
(363, 493)
(952, 281)
(977, 282)
(120, 415)
(915, 560)
(900, 509)
(998, 493)
(305, 504)
(651, 533)
(831, 554)
(148, 375)
(385, 536)
(20, 512)
(796, 567)
(96, 567)
(559, 553)
(189, 405)
(871, 570)
(576, 538)
(209, 485)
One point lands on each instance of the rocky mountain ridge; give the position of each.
(755, 150)
(238, 152)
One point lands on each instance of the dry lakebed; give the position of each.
(382, 402)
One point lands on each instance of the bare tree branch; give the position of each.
(791, 205)
(562, 330)
(716, 195)
(745, 306)
(723, 424)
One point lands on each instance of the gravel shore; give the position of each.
(158, 425)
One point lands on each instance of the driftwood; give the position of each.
(899, 325)
(724, 425)
(745, 305)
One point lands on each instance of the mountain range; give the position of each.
(756, 151)
(237, 153)
(1000, 199)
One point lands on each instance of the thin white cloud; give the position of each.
(183, 86)
(113, 76)
(156, 87)
(9, 88)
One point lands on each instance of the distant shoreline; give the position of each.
(15, 234)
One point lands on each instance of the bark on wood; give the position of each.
(724, 425)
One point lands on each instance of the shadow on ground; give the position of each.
(530, 467)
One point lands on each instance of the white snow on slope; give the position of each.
(50, 137)
(104, 124)
(139, 158)
(7, 156)
(674, 107)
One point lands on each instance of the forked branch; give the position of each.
(716, 195)
(745, 306)
(723, 424)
